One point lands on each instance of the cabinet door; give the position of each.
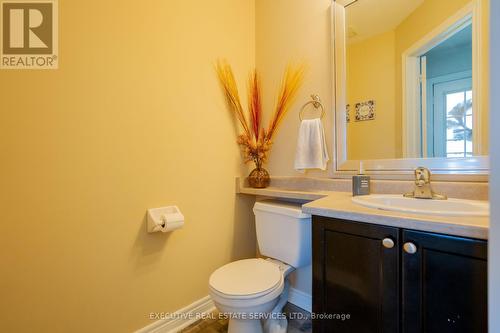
(355, 274)
(444, 284)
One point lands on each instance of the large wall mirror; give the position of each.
(411, 85)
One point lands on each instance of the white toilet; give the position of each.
(249, 291)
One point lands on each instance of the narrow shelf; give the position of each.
(277, 192)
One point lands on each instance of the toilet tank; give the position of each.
(283, 232)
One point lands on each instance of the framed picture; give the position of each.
(365, 110)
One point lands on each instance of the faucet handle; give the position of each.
(422, 176)
(423, 189)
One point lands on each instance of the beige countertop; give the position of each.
(336, 203)
(339, 205)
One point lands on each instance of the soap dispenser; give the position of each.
(360, 182)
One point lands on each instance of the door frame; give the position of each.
(411, 80)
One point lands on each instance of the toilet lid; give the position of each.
(246, 277)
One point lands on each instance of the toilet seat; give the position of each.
(246, 279)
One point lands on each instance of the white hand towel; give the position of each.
(312, 152)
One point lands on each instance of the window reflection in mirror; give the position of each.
(418, 61)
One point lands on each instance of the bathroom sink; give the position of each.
(450, 207)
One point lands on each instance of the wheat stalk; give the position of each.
(255, 104)
(290, 85)
(256, 141)
(230, 88)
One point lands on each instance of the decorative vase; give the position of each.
(259, 178)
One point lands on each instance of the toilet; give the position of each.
(252, 292)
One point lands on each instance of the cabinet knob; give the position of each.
(388, 243)
(410, 248)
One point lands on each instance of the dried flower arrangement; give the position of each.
(255, 140)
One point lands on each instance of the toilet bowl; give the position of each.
(245, 291)
(250, 292)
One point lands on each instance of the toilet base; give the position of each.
(245, 326)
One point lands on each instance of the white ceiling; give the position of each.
(366, 18)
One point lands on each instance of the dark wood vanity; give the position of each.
(371, 278)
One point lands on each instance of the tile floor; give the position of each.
(220, 325)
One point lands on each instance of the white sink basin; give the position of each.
(450, 207)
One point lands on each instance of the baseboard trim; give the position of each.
(300, 299)
(191, 313)
(183, 318)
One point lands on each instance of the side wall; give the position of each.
(296, 31)
(133, 119)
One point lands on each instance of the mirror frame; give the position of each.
(474, 168)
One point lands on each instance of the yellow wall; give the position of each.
(133, 119)
(373, 139)
(299, 31)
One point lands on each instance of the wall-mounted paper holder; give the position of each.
(165, 219)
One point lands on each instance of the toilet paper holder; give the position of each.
(164, 219)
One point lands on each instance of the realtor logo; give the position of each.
(29, 35)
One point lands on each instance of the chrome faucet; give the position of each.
(423, 189)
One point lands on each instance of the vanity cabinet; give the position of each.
(444, 284)
(388, 279)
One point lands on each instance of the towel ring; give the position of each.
(316, 102)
